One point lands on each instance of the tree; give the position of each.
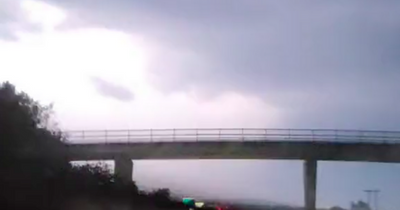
(30, 153)
(336, 208)
(360, 205)
(33, 163)
(24, 126)
(34, 170)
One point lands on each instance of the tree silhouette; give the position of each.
(360, 205)
(34, 170)
(161, 196)
(336, 208)
(30, 153)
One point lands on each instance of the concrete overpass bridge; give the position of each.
(309, 145)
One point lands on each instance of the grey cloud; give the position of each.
(9, 13)
(111, 90)
(5, 34)
(331, 63)
(12, 19)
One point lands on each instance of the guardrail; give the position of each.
(226, 134)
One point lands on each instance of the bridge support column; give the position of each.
(123, 168)
(310, 184)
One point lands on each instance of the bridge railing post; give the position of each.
(129, 136)
(173, 134)
(83, 135)
(197, 134)
(360, 136)
(389, 137)
(242, 134)
(219, 134)
(266, 134)
(151, 135)
(386, 137)
(312, 135)
(290, 137)
(336, 135)
(106, 135)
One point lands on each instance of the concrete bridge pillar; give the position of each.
(123, 168)
(310, 184)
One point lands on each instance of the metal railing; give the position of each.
(226, 134)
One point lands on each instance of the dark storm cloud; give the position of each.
(108, 89)
(324, 63)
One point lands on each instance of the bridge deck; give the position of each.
(239, 150)
(320, 144)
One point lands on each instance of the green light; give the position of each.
(190, 202)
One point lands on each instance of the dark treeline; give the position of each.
(34, 170)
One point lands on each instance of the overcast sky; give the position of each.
(238, 63)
